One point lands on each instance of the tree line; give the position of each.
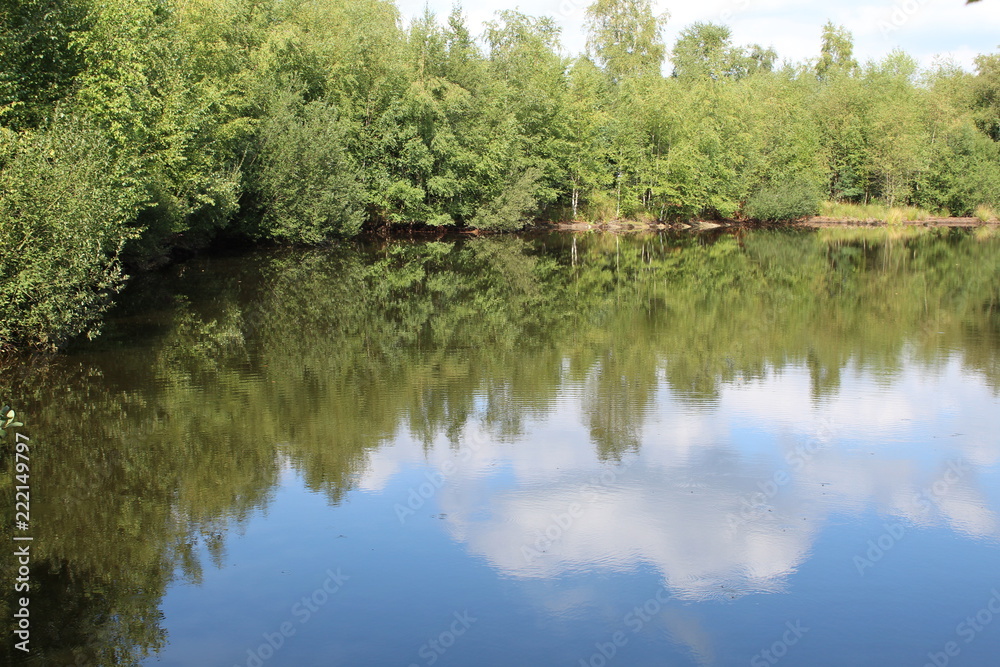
(134, 129)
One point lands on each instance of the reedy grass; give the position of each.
(985, 213)
(873, 212)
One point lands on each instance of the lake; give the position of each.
(726, 448)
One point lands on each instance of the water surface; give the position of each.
(736, 449)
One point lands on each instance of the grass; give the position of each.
(873, 213)
(985, 213)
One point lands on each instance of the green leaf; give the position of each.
(10, 414)
(17, 424)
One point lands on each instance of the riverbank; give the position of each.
(815, 222)
(821, 222)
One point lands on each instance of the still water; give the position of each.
(750, 449)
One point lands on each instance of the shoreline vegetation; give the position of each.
(626, 227)
(829, 214)
(814, 222)
(137, 132)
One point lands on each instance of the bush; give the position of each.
(307, 180)
(64, 218)
(509, 210)
(964, 174)
(783, 202)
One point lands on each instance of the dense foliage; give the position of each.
(130, 129)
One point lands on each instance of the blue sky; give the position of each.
(923, 28)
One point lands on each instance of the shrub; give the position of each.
(509, 209)
(964, 174)
(67, 204)
(308, 182)
(781, 202)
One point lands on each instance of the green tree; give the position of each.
(584, 148)
(836, 53)
(626, 37)
(424, 171)
(531, 77)
(987, 94)
(38, 63)
(706, 51)
(308, 182)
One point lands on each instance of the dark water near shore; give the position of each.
(751, 449)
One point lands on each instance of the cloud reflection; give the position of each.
(727, 502)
